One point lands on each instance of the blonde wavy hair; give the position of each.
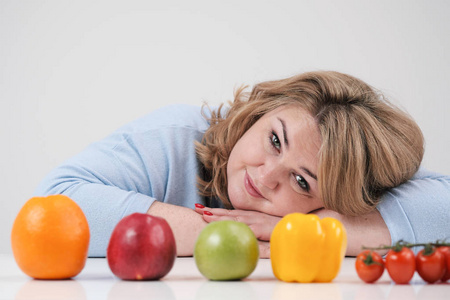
(368, 144)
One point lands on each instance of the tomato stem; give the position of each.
(428, 250)
(429, 247)
(370, 261)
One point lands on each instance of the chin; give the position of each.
(235, 203)
(238, 200)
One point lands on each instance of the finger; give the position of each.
(231, 212)
(221, 212)
(208, 216)
(199, 208)
(243, 218)
(264, 249)
(261, 233)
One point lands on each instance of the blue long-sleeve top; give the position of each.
(153, 158)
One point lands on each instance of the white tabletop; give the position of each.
(184, 281)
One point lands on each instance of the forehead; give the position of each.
(295, 115)
(301, 128)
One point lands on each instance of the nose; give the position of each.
(270, 174)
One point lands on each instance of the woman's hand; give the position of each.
(260, 223)
(366, 230)
(185, 223)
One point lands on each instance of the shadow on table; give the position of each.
(310, 291)
(420, 291)
(412, 291)
(434, 291)
(137, 290)
(226, 290)
(51, 290)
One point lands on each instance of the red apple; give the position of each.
(141, 247)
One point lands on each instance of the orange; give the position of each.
(50, 238)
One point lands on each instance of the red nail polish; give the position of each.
(198, 205)
(208, 213)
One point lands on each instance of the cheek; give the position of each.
(293, 202)
(232, 164)
(233, 167)
(244, 154)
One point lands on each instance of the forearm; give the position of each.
(103, 206)
(368, 230)
(186, 225)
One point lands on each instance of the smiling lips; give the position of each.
(250, 187)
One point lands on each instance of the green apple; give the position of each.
(226, 250)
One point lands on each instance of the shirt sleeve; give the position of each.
(149, 159)
(418, 211)
(105, 189)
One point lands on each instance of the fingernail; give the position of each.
(208, 213)
(198, 205)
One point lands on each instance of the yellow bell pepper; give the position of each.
(304, 248)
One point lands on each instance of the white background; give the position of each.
(73, 71)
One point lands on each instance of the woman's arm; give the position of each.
(148, 160)
(104, 206)
(112, 178)
(418, 211)
(368, 230)
(185, 223)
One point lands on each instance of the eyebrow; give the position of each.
(306, 170)
(283, 125)
(311, 174)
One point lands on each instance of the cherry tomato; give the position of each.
(445, 250)
(430, 264)
(369, 266)
(401, 265)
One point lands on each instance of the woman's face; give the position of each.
(273, 167)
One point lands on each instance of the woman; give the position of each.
(319, 142)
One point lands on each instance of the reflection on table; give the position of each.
(184, 281)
